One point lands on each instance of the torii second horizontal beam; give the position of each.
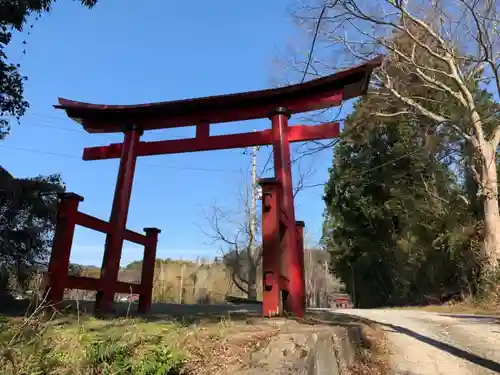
(297, 133)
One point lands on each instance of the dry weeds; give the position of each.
(488, 305)
(226, 348)
(373, 354)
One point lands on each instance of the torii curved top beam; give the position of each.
(316, 94)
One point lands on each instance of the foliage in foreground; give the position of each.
(28, 209)
(13, 17)
(88, 347)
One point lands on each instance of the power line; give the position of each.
(81, 131)
(369, 169)
(42, 125)
(308, 64)
(41, 152)
(67, 156)
(266, 163)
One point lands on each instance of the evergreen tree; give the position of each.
(394, 211)
(28, 209)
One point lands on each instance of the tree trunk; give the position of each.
(252, 283)
(489, 187)
(252, 292)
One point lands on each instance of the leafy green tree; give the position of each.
(13, 17)
(394, 211)
(436, 55)
(75, 269)
(28, 209)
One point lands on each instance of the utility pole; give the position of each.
(253, 203)
(327, 285)
(353, 281)
(181, 284)
(162, 283)
(252, 221)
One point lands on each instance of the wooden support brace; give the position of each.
(61, 247)
(271, 305)
(148, 270)
(299, 226)
(204, 142)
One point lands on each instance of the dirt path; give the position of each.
(425, 343)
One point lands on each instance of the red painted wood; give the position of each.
(148, 270)
(203, 130)
(315, 94)
(286, 263)
(118, 221)
(91, 283)
(299, 227)
(102, 226)
(61, 247)
(271, 300)
(134, 237)
(341, 300)
(128, 288)
(284, 283)
(83, 283)
(298, 133)
(283, 172)
(91, 222)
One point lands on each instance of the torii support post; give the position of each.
(282, 167)
(61, 246)
(118, 221)
(299, 228)
(271, 254)
(148, 269)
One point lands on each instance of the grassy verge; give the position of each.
(84, 345)
(89, 346)
(487, 306)
(463, 308)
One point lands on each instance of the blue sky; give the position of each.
(128, 52)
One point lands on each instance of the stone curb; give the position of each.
(307, 350)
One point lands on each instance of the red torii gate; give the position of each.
(284, 284)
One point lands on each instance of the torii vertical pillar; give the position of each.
(299, 227)
(271, 252)
(148, 270)
(118, 221)
(61, 246)
(282, 166)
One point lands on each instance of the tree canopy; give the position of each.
(14, 16)
(441, 65)
(28, 209)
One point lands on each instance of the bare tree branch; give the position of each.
(447, 47)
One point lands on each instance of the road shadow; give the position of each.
(181, 313)
(478, 318)
(189, 314)
(471, 357)
(184, 314)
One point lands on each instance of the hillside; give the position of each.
(210, 281)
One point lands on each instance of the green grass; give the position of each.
(89, 346)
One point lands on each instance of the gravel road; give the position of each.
(424, 343)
